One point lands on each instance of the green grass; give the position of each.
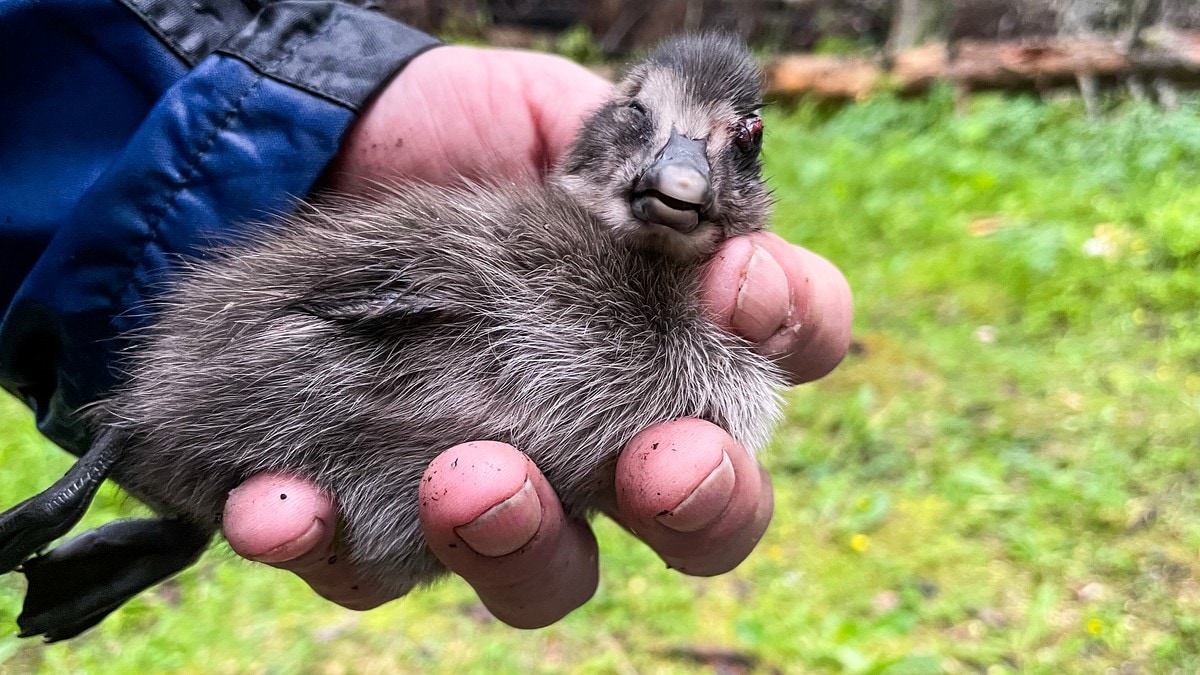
(1001, 477)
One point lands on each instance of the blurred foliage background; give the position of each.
(1002, 476)
(621, 26)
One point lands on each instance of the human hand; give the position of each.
(473, 112)
(464, 112)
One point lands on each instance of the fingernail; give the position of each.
(763, 297)
(506, 526)
(706, 503)
(786, 342)
(301, 545)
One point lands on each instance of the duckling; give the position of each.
(360, 337)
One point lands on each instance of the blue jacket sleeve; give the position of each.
(143, 132)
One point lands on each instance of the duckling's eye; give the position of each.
(748, 134)
(636, 107)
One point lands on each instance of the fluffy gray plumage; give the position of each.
(362, 337)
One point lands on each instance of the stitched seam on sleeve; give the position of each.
(194, 164)
(193, 167)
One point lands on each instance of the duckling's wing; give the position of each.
(366, 307)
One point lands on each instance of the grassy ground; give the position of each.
(1002, 477)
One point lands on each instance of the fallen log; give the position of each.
(823, 76)
(974, 64)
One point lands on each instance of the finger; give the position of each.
(490, 516)
(463, 112)
(286, 522)
(558, 117)
(792, 303)
(694, 495)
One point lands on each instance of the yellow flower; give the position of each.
(1095, 627)
(860, 542)
(1192, 382)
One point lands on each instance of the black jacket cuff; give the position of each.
(338, 51)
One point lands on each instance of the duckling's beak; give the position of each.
(675, 189)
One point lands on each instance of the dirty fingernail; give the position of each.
(706, 503)
(506, 526)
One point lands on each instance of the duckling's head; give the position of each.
(671, 161)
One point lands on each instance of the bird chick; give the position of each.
(671, 161)
(360, 338)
